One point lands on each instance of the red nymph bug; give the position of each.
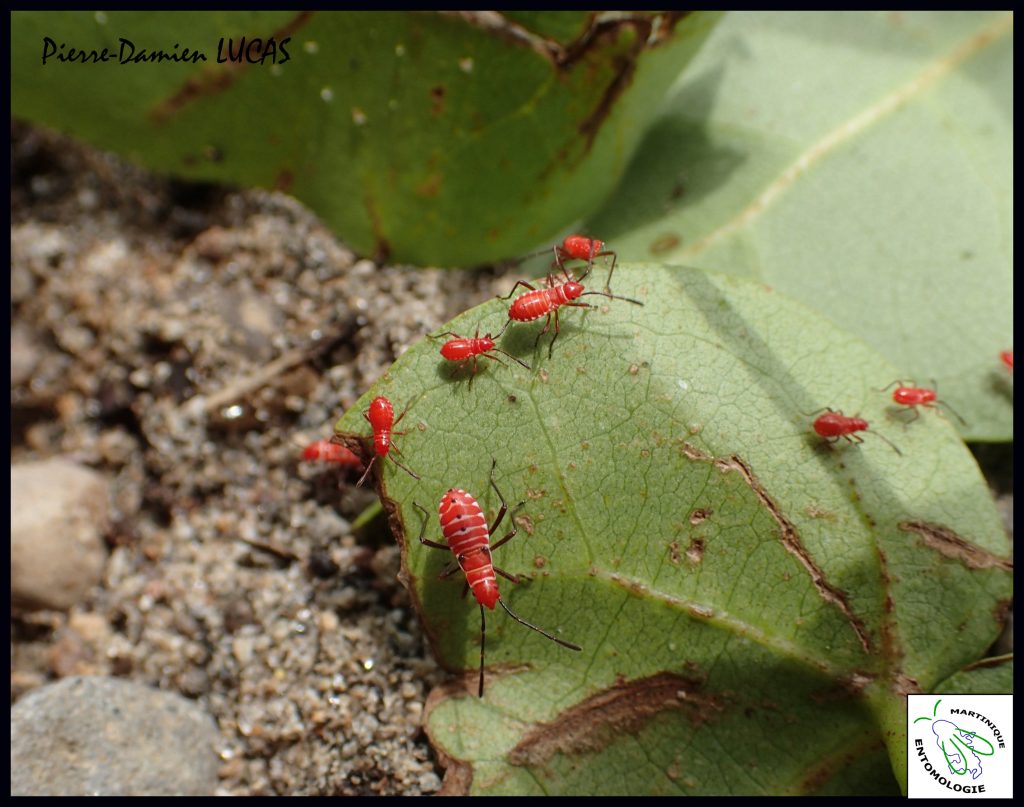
(464, 349)
(381, 417)
(832, 425)
(581, 248)
(324, 450)
(465, 529)
(537, 303)
(578, 248)
(1007, 358)
(918, 396)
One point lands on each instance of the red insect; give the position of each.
(581, 248)
(465, 529)
(381, 417)
(1007, 357)
(463, 349)
(537, 303)
(325, 451)
(919, 396)
(832, 425)
(578, 248)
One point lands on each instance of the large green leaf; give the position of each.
(752, 603)
(861, 163)
(444, 138)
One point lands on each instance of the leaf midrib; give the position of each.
(932, 73)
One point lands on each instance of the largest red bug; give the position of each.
(381, 417)
(465, 529)
(536, 303)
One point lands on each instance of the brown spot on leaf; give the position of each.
(699, 515)
(216, 79)
(430, 187)
(283, 180)
(829, 766)
(665, 243)
(539, 561)
(383, 249)
(947, 543)
(790, 538)
(526, 523)
(437, 99)
(695, 552)
(673, 553)
(622, 709)
(1002, 611)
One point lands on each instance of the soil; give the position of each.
(187, 340)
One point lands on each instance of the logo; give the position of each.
(958, 746)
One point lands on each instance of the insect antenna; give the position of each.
(951, 409)
(887, 440)
(613, 296)
(483, 634)
(514, 358)
(522, 621)
(396, 462)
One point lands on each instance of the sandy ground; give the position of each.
(187, 341)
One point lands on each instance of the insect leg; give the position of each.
(515, 527)
(608, 282)
(895, 383)
(516, 286)
(449, 570)
(504, 504)
(366, 472)
(510, 577)
(551, 346)
(423, 530)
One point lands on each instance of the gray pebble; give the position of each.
(59, 513)
(97, 736)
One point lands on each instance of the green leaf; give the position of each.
(443, 138)
(986, 677)
(861, 163)
(751, 602)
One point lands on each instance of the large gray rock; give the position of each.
(59, 513)
(100, 736)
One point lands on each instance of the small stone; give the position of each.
(25, 355)
(59, 512)
(242, 649)
(97, 736)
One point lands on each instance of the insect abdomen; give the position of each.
(533, 305)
